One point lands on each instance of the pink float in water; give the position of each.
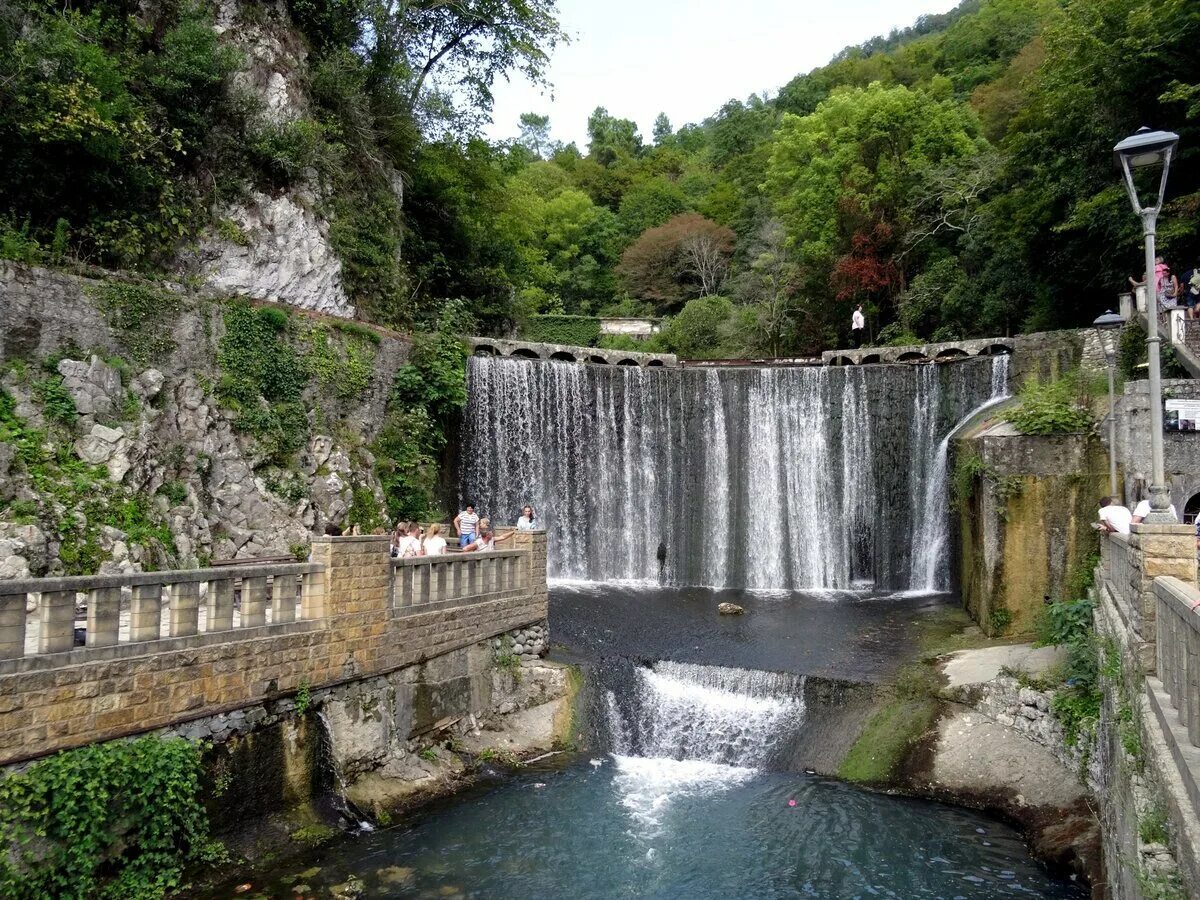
(792, 801)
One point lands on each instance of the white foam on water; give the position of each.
(648, 786)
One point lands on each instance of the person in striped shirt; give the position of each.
(465, 525)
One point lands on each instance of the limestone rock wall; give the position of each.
(272, 247)
(156, 433)
(1024, 522)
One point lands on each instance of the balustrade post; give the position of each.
(312, 595)
(254, 601)
(103, 616)
(283, 599)
(145, 612)
(183, 608)
(56, 617)
(12, 625)
(1190, 645)
(422, 574)
(457, 574)
(218, 605)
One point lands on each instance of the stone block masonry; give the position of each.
(348, 631)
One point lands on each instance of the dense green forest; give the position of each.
(956, 177)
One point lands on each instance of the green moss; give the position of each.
(886, 740)
(315, 834)
(141, 317)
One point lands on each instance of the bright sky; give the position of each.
(687, 57)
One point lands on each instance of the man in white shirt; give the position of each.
(1143, 509)
(1114, 518)
(465, 524)
(857, 325)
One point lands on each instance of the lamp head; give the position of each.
(1140, 150)
(1108, 321)
(1145, 148)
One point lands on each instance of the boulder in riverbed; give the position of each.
(730, 609)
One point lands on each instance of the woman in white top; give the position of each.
(528, 521)
(435, 544)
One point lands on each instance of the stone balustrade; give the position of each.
(1178, 650)
(41, 615)
(454, 579)
(166, 648)
(1130, 563)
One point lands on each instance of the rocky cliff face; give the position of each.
(120, 447)
(272, 247)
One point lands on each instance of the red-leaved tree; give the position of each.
(687, 256)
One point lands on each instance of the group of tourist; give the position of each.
(1116, 519)
(1172, 291)
(474, 532)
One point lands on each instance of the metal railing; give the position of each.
(458, 578)
(46, 615)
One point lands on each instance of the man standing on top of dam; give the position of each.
(857, 325)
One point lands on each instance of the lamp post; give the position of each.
(1110, 321)
(1141, 150)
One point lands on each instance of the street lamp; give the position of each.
(1141, 150)
(1110, 321)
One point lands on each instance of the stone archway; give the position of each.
(563, 356)
(912, 356)
(524, 353)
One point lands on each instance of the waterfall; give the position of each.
(707, 714)
(779, 478)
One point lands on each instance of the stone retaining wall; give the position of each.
(48, 704)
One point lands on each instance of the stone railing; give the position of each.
(1130, 563)
(455, 579)
(1178, 651)
(41, 616)
(165, 648)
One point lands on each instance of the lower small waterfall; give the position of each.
(764, 478)
(707, 714)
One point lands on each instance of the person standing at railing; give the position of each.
(1166, 285)
(1191, 290)
(435, 544)
(410, 544)
(527, 520)
(465, 525)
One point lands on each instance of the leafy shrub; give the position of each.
(116, 820)
(283, 151)
(1052, 407)
(17, 245)
(263, 377)
(574, 331)
(57, 402)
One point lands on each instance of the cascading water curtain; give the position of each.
(781, 478)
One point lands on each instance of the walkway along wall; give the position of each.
(227, 639)
(1148, 623)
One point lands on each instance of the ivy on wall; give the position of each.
(117, 820)
(575, 331)
(428, 394)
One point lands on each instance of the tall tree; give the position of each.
(662, 129)
(535, 133)
(611, 139)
